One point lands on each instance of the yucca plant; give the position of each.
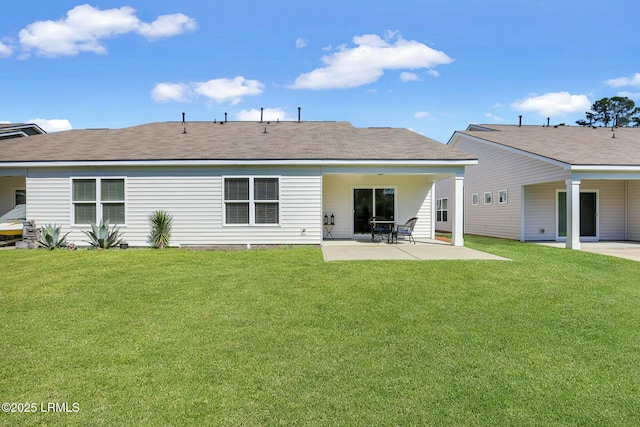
(50, 237)
(101, 237)
(161, 223)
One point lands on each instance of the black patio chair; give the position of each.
(405, 230)
(379, 229)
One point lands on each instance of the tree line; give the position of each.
(618, 111)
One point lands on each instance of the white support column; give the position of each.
(457, 238)
(573, 213)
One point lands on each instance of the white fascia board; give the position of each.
(13, 133)
(554, 162)
(146, 163)
(606, 172)
(605, 168)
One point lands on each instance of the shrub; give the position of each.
(161, 223)
(50, 237)
(101, 237)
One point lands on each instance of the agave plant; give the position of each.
(101, 237)
(50, 237)
(161, 223)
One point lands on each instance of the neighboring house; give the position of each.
(559, 183)
(235, 183)
(19, 130)
(12, 187)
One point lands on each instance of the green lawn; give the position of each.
(279, 337)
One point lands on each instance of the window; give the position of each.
(441, 210)
(474, 199)
(20, 197)
(502, 196)
(251, 201)
(96, 199)
(487, 198)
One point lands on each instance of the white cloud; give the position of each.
(52, 125)
(633, 80)
(631, 95)
(367, 62)
(268, 114)
(423, 115)
(85, 28)
(218, 90)
(406, 76)
(167, 26)
(493, 117)
(301, 43)
(228, 90)
(553, 104)
(5, 50)
(167, 92)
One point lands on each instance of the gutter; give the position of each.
(242, 162)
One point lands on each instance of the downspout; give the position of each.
(523, 201)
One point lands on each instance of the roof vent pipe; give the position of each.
(298, 114)
(520, 122)
(225, 117)
(184, 125)
(261, 110)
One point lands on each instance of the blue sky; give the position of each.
(430, 66)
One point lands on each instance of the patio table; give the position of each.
(389, 223)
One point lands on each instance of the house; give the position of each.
(12, 188)
(234, 183)
(550, 183)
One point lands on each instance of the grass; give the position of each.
(279, 337)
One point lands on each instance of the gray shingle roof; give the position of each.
(573, 145)
(230, 141)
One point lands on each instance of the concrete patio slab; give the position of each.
(352, 250)
(623, 249)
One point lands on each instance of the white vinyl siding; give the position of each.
(611, 208)
(498, 170)
(541, 209)
(194, 197)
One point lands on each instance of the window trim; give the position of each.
(489, 200)
(98, 202)
(252, 201)
(475, 199)
(506, 197)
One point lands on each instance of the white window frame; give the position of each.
(442, 211)
(488, 197)
(503, 200)
(252, 202)
(99, 203)
(475, 199)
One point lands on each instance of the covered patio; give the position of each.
(422, 250)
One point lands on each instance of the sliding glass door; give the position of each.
(369, 202)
